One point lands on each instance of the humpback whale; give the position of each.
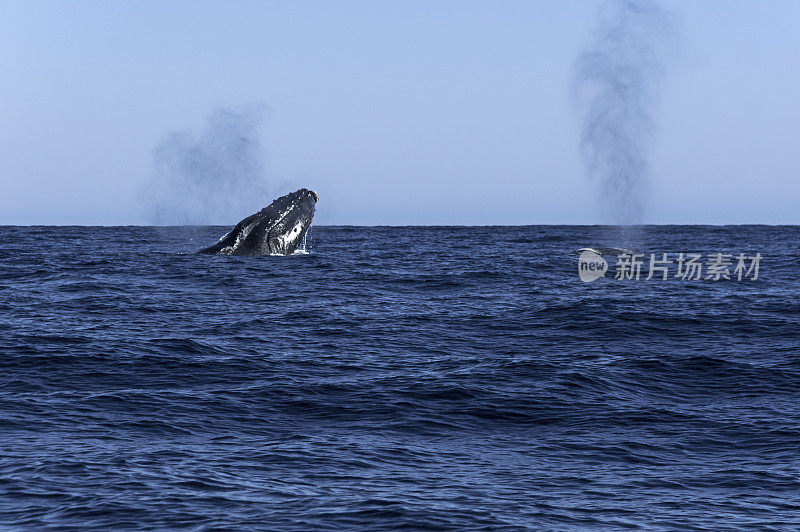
(274, 230)
(607, 251)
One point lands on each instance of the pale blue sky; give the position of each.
(395, 112)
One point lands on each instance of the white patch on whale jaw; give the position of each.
(290, 238)
(240, 238)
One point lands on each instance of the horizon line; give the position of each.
(429, 225)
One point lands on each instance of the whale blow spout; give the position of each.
(277, 229)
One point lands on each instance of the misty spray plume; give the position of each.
(216, 177)
(616, 83)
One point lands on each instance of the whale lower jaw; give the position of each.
(287, 243)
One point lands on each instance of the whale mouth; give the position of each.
(316, 198)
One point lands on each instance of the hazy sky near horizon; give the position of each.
(412, 112)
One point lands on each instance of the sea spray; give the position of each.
(215, 177)
(615, 87)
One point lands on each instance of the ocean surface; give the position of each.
(437, 378)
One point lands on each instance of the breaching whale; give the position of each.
(607, 251)
(277, 229)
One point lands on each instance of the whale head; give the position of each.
(277, 229)
(295, 214)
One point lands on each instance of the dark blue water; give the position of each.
(422, 378)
